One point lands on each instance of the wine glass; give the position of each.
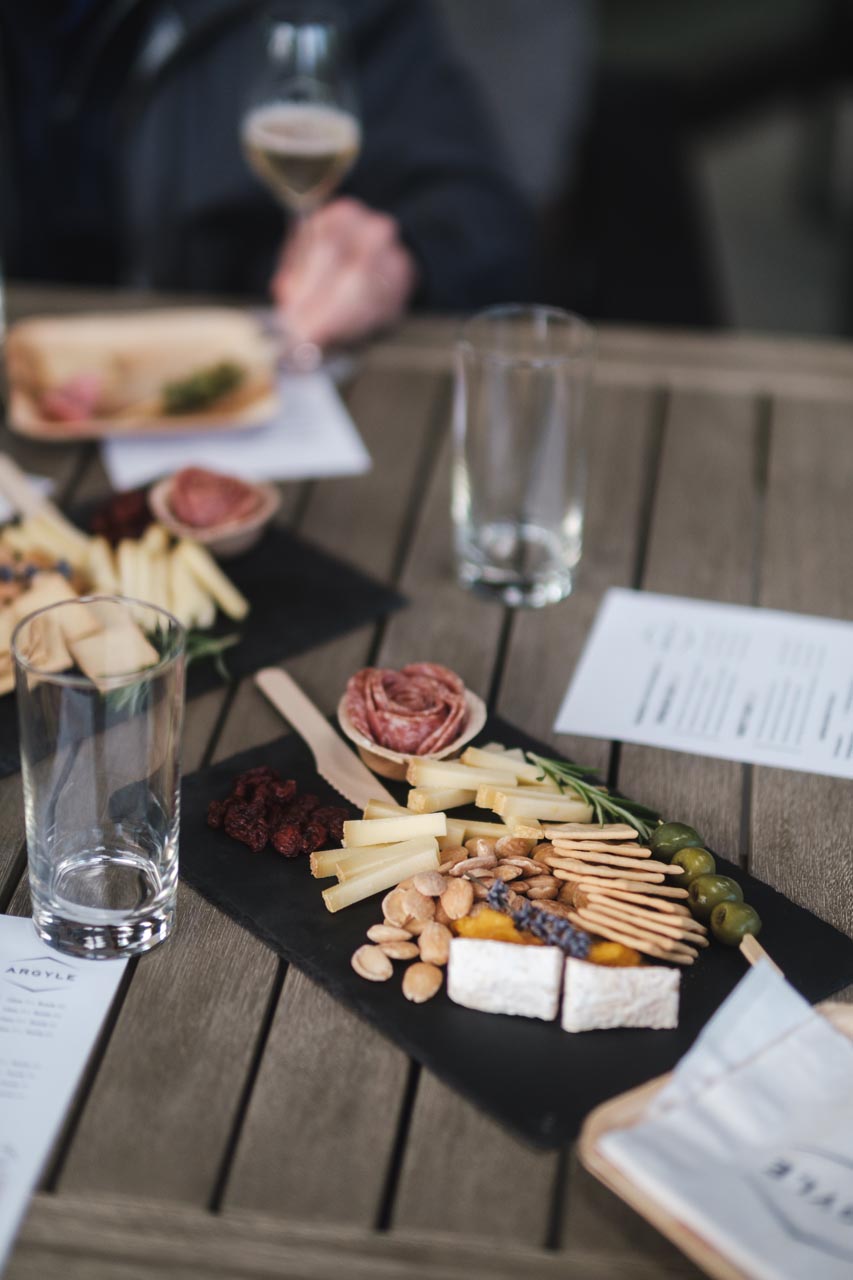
(300, 132)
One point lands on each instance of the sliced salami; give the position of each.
(417, 711)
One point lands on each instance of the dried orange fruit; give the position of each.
(614, 955)
(493, 926)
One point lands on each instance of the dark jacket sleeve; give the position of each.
(431, 160)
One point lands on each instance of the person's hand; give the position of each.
(343, 273)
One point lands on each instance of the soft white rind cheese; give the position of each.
(595, 997)
(505, 977)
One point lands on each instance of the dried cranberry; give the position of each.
(332, 818)
(287, 839)
(251, 831)
(283, 792)
(313, 836)
(216, 813)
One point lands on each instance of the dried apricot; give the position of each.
(493, 926)
(614, 955)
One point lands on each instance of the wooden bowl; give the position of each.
(231, 538)
(393, 764)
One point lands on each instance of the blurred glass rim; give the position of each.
(105, 683)
(281, 15)
(481, 336)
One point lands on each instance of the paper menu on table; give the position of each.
(312, 436)
(754, 685)
(52, 1008)
(758, 1161)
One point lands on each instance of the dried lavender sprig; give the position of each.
(551, 929)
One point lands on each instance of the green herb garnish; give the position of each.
(201, 645)
(202, 389)
(606, 807)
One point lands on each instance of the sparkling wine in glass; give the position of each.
(301, 133)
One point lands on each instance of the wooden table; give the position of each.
(236, 1121)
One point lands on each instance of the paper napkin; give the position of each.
(312, 436)
(751, 1146)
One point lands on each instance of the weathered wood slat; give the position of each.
(77, 1238)
(321, 1124)
(700, 545)
(801, 823)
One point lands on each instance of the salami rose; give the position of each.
(416, 711)
(204, 499)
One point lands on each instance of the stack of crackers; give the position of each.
(615, 889)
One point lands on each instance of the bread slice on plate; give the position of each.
(185, 369)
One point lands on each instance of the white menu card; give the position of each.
(52, 1007)
(312, 436)
(755, 685)
(751, 1144)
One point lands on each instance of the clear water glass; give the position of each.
(100, 692)
(522, 377)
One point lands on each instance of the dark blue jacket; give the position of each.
(123, 161)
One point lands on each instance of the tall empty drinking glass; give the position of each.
(522, 374)
(100, 689)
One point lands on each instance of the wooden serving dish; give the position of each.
(236, 413)
(628, 1109)
(392, 764)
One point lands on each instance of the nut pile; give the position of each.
(263, 808)
(420, 914)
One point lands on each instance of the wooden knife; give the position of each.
(335, 762)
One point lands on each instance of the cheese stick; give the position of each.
(373, 831)
(208, 574)
(101, 567)
(383, 809)
(382, 877)
(433, 800)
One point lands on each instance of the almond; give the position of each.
(372, 963)
(457, 898)
(388, 933)
(472, 866)
(434, 943)
(506, 871)
(418, 905)
(511, 847)
(482, 848)
(421, 982)
(430, 884)
(394, 908)
(441, 915)
(401, 950)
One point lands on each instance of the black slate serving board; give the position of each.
(534, 1078)
(300, 597)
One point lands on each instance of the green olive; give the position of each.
(694, 862)
(668, 838)
(731, 920)
(707, 891)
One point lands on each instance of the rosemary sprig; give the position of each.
(201, 645)
(605, 806)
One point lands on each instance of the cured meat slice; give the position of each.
(204, 499)
(417, 711)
